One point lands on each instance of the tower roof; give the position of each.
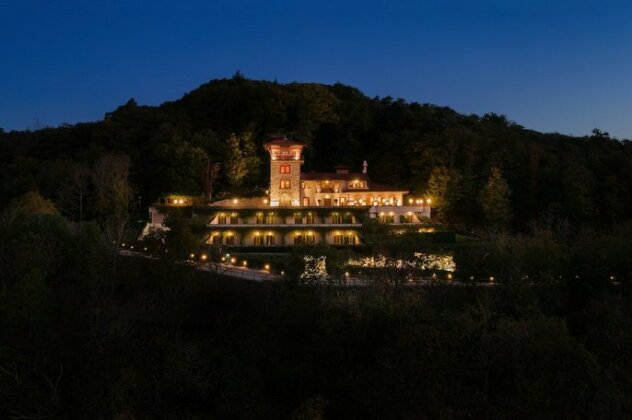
(282, 142)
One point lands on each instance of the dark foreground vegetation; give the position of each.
(85, 333)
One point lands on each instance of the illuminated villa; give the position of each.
(304, 208)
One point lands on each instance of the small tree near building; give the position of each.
(495, 201)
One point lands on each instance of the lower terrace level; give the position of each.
(276, 237)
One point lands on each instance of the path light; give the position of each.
(203, 257)
(346, 274)
(266, 267)
(223, 259)
(131, 247)
(233, 260)
(449, 276)
(244, 263)
(191, 256)
(491, 279)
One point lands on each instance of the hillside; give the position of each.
(583, 179)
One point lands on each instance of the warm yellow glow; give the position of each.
(235, 201)
(203, 257)
(233, 260)
(410, 201)
(449, 276)
(347, 274)
(265, 201)
(191, 255)
(266, 267)
(244, 263)
(428, 201)
(223, 259)
(491, 279)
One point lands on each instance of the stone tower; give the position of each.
(286, 158)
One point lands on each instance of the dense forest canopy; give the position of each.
(465, 161)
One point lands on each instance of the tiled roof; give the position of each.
(374, 186)
(283, 142)
(334, 176)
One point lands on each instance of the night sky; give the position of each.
(549, 65)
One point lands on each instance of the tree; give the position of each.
(242, 159)
(113, 196)
(209, 176)
(73, 192)
(494, 199)
(444, 187)
(30, 204)
(181, 164)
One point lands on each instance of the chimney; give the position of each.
(364, 167)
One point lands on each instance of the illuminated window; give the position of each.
(234, 219)
(344, 239)
(271, 219)
(309, 219)
(230, 239)
(258, 240)
(306, 239)
(387, 218)
(221, 219)
(284, 168)
(269, 239)
(259, 218)
(216, 240)
(336, 218)
(284, 184)
(298, 219)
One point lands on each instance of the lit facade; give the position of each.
(304, 208)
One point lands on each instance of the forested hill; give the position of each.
(425, 148)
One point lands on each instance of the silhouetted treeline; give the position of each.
(210, 140)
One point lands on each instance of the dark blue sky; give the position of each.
(551, 65)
